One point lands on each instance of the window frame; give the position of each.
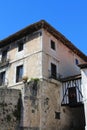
(19, 73)
(53, 45)
(20, 46)
(53, 68)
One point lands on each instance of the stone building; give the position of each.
(43, 64)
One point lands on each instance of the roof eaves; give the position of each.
(64, 40)
(83, 66)
(28, 30)
(74, 77)
(35, 27)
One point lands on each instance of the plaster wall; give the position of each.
(84, 90)
(37, 56)
(30, 57)
(64, 57)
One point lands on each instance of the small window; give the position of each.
(53, 71)
(53, 45)
(19, 73)
(57, 115)
(2, 78)
(20, 46)
(76, 61)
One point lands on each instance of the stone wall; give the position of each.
(9, 109)
(72, 118)
(41, 102)
(43, 110)
(31, 106)
(40, 108)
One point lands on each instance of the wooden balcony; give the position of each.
(71, 91)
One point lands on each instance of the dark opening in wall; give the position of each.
(57, 115)
(53, 45)
(20, 46)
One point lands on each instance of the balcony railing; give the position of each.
(53, 75)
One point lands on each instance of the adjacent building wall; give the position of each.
(84, 91)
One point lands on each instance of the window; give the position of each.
(53, 45)
(53, 71)
(4, 55)
(20, 46)
(76, 61)
(2, 78)
(72, 96)
(19, 73)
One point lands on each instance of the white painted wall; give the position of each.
(84, 89)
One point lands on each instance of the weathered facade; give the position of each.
(10, 106)
(43, 64)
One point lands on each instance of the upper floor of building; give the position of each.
(38, 51)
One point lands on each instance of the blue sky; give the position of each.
(68, 17)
